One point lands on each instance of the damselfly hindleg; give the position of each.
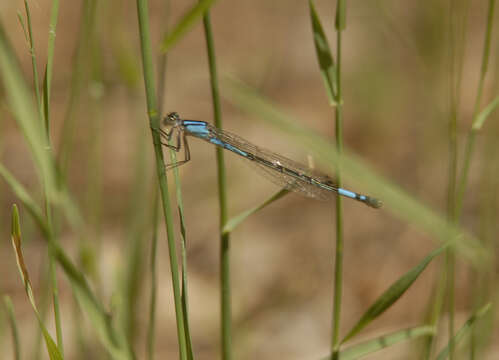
(180, 138)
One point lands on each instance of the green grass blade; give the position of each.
(368, 347)
(90, 306)
(478, 117)
(434, 310)
(132, 273)
(23, 26)
(464, 331)
(83, 293)
(340, 22)
(48, 194)
(238, 219)
(47, 79)
(77, 84)
(225, 253)
(458, 16)
(185, 24)
(484, 114)
(13, 327)
(21, 106)
(396, 200)
(485, 56)
(390, 296)
(470, 146)
(52, 348)
(338, 134)
(23, 195)
(151, 326)
(54, 14)
(183, 244)
(183, 249)
(23, 109)
(185, 297)
(34, 66)
(154, 118)
(326, 61)
(113, 341)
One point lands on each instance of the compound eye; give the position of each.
(170, 119)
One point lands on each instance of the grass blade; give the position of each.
(338, 134)
(185, 24)
(464, 331)
(26, 199)
(434, 310)
(21, 105)
(29, 38)
(47, 190)
(13, 327)
(151, 326)
(113, 341)
(396, 200)
(184, 297)
(326, 61)
(478, 122)
(484, 114)
(340, 22)
(238, 219)
(390, 296)
(77, 84)
(52, 348)
(225, 253)
(88, 302)
(47, 82)
(152, 110)
(368, 347)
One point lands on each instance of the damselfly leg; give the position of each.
(166, 136)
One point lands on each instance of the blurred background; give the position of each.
(396, 115)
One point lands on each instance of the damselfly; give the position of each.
(282, 171)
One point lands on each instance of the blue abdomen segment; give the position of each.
(347, 193)
(200, 129)
(372, 202)
(196, 128)
(220, 143)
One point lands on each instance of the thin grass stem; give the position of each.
(152, 108)
(34, 66)
(226, 306)
(48, 196)
(457, 32)
(151, 326)
(88, 15)
(338, 262)
(470, 143)
(46, 189)
(178, 192)
(151, 335)
(36, 86)
(50, 62)
(13, 327)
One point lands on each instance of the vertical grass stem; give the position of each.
(226, 312)
(340, 25)
(152, 107)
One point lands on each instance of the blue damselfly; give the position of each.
(281, 170)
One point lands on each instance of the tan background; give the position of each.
(395, 106)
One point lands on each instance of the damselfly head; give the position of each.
(172, 119)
